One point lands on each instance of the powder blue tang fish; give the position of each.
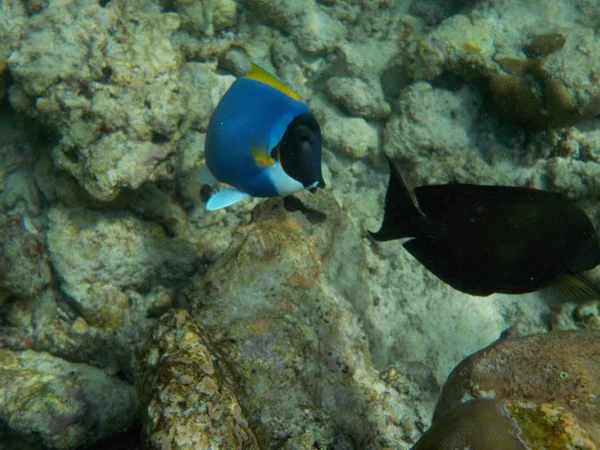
(261, 140)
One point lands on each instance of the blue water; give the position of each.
(319, 336)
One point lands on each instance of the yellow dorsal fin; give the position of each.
(261, 157)
(259, 74)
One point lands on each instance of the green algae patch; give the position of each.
(548, 427)
(537, 429)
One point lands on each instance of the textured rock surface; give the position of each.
(206, 17)
(568, 160)
(101, 258)
(49, 401)
(432, 133)
(577, 316)
(310, 26)
(24, 268)
(99, 166)
(352, 137)
(558, 366)
(187, 401)
(545, 384)
(21, 139)
(359, 98)
(111, 86)
(276, 308)
(507, 425)
(115, 274)
(537, 84)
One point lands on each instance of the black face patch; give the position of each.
(300, 151)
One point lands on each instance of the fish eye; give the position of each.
(303, 134)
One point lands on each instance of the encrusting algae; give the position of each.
(531, 94)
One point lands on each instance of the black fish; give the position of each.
(486, 239)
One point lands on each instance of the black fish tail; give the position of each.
(402, 217)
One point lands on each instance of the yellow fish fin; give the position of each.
(575, 288)
(261, 157)
(259, 74)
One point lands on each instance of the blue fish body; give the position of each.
(255, 133)
(250, 113)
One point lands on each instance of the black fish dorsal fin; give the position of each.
(401, 216)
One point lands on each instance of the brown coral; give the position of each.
(537, 98)
(544, 44)
(516, 96)
(507, 425)
(546, 384)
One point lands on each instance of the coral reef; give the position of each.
(99, 259)
(206, 17)
(350, 136)
(577, 316)
(554, 88)
(544, 44)
(510, 425)
(311, 28)
(299, 331)
(186, 396)
(301, 336)
(115, 274)
(24, 267)
(118, 109)
(539, 99)
(431, 133)
(58, 404)
(358, 97)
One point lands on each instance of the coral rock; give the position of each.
(431, 134)
(187, 400)
(110, 84)
(275, 306)
(312, 29)
(546, 384)
(544, 44)
(478, 45)
(100, 259)
(507, 425)
(24, 266)
(353, 137)
(61, 405)
(206, 17)
(358, 97)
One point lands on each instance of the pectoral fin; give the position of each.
(224, 198)
(261, 157)
(206, 177)
(574, 288)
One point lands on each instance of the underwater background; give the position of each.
(131, 317)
